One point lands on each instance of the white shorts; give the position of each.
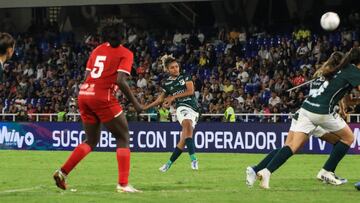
(183, 112)
(317, 132)
(309, 122)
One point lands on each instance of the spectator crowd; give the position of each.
(247, 69)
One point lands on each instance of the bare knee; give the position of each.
(348, 140)
(294, 147)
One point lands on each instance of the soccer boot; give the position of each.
(60, 179)
(330, 177)
(264, 176)
(165, 167)
(126, 189)
(250, 176)
(195, 164)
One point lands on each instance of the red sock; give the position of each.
(79, 153)
(123, 158)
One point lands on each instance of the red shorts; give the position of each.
(95, 108)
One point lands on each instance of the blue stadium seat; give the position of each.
(249, 88)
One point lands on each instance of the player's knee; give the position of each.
(187, 124)
(294, 147)
(349, 139)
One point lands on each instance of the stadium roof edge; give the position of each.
(49, 3)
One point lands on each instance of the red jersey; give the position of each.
(96, 100)
(104, 64)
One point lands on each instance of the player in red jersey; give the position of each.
(106, 70)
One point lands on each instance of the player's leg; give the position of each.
(338, 152)
(252, 171)
(187, 119)
(187, 133)
(299, 138)
(335, 124)
(118, 126)
(332, 139)
(176, 153)
(92, 132)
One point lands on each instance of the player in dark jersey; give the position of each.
(179, 88)
(7, 46)
(106, 71)
(318, 111)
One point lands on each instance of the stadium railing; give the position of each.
(240, 117)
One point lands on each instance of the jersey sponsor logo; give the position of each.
(87, 89)
(182, 82)
(11, 137)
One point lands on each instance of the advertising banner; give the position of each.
(162, 137)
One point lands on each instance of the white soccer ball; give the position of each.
(330, 21)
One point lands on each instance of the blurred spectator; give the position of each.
(141, 82)
(229, 114)
(274, 99)
(164, 114)
(61, 114)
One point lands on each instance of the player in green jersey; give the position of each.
(318, 111)
(179, 88)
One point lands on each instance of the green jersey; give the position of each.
(325, 94)
(174, 86)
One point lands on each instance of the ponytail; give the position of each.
(330, 67)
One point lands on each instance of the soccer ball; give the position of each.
(330, 21)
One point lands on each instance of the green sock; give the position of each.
(338, 152)
(176, 153)
(191, 148)
(263, 163)
(279, 159)
(192, 157)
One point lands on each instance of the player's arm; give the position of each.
(89, 66)
(188, 92)
(159, 100)
(343, 106)
(87, 72)
(124, 87)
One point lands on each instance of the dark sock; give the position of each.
(338, 152)
(191, 148)
(279, 159)
(263, 163)
(176, 153)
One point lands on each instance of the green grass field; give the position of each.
(26, 176)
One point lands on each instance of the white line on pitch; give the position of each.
(20, 190)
